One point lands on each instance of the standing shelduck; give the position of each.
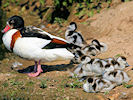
(34, 44)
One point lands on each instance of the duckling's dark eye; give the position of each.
(93, 54)
(83, 58)
(79, 53)
(113, 62)
(108, 65)
(90, 80)
(124, 58)
(91, 48)
(96, 41)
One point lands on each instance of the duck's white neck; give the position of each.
(7, 38)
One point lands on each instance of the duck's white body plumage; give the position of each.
(31, 48)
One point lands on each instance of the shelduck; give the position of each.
(32, 43)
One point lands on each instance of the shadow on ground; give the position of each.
(47, 68)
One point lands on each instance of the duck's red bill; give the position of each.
(6, 29)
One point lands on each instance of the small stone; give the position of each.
(16, 64)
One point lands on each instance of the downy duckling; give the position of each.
(95, 84)
(99, 66)
(94, 48)
(95, 65)
(122, 63)
(89, 50)
(74, 37)
(118, 63)
(80, 70)
(100, 46)
(77, 56)
(117, 76)
(91, 67)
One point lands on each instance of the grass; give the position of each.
(75, 84)
(127, 85)
(43, 84)
(59, 20)
(107, 92)
(5, 84)
(16, 83)
(118, 55)
(30, 83)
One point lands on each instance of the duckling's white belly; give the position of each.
(30, 48)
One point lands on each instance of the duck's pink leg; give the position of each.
(39, 70)
(35, 67)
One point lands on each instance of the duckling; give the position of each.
(117, 76)
(122, 63)
(90, 50)
(99, 66)
(95, 84)
(94, 48)
(100, 46)
(91, 67)
(74, 37)
(118, 63)
(78, 55)
(109, 60)
(81, 70)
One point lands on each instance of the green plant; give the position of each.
(13, 1)
(107, 92)
(109, 1)
(13, 93)
(6, 5)
(75, 84)
(57, 3)
(42, 2)
(30, 83)
(5, 84)
(126, 0)
(85, 23)
(59, 20)
(91, 13)
(118, 55)
(127, 85)
(43, 84)
(17, 83)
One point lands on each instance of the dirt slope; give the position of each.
(115, 27)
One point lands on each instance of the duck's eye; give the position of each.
(11, 22)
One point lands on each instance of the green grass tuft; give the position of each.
(127, 85)
(43, 84)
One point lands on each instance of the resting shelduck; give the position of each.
(34, 44)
